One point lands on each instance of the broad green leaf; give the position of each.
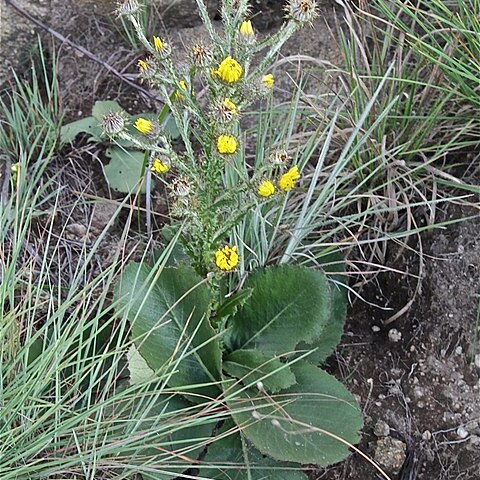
(124, 170)
(172, 441)
(288, 304)
(139, 370)
(104, 107)
(225, 460)
(231, 304)
(332, 333)
(85, 125)
(170, 326)
(303, 416)
(252, 366)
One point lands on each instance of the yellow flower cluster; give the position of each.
(266, 189)
(159, 167)
(158, 44)
(144, 126)
(226, 144)
(286, 183)
(226, 258)
(287, 180)
(268, 80)
(229, 70)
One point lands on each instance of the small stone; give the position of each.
(394, 335)
(462, 432)
(381, 429)
(427, 435)
(390, 454)
(459, 350)
(375, 328)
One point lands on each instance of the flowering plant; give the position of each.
(253, 350)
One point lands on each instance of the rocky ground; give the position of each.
(417, 377)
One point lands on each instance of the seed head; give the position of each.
(201, 55)
(279, 157)
(224, 112)
(127, 7)
(302, 11)
(181, 187)
(113, 123)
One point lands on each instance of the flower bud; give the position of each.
(113, 123)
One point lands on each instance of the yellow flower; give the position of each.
(226, 144)
(159, 167)
(266, 189)
(158, 44)
(246, 29)
(178, 94)
(144, 126)
(287, 180)
(143, 65)
(226, 258)
(268, 80)
(229, 70)
(230, 106)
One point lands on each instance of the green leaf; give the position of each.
(226, 460)
(170, 325)
(230, 306)
(124, 170)
(302, 415)
(85, 125)
(172, 441)
(288, 304)
(332, 333)
(139, 370)
(252, 366)
(104, 107)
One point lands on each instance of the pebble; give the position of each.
(390, 453)
(381, 429)
(462, 432)
(375, 328)
(394, 335)
(459, 350)
(427, 435)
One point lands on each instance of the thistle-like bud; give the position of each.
(246, 32)
(302, 11)
(127, 8)
(146, 68)
(279, 157)
(161, 47)
(113, 123)
(181, 187)
(201, 55)
(224, 112)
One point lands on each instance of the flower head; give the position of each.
(226, 258)
(158, 44)
(128, 7)
(302, 11)
(288, 179)
(158, 166)
(266, 189)
(246, 30)
(268, 81)
(229, 70)
(113, 123)
(201, 55)
(144, 126)
(181, 187)
(178, 95)
(146, 67)
(226, 144)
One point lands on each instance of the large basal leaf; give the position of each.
(225, 460)
(332, 333)
(163, 439)
(288, 304)
(85, 125)
(104, 107)
(170, 325)
(293, 424)
(252, 366)
(124, 170)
